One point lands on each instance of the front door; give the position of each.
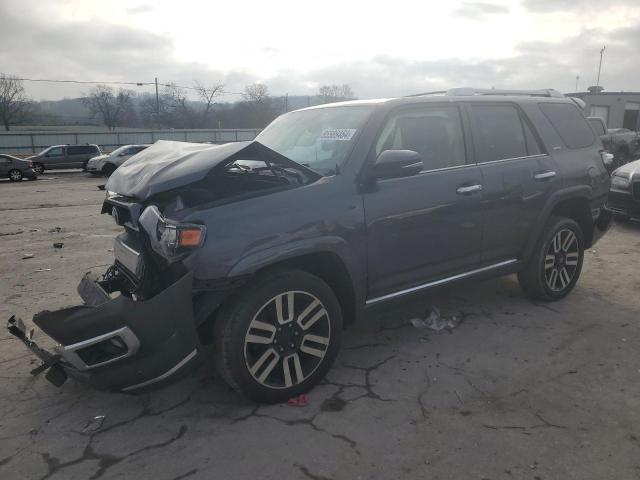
(428, 226)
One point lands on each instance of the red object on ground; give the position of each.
(299, 401)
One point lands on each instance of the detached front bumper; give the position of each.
(120, 344)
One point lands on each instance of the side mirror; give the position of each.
(396, 164)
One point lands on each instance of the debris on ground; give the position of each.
(433, 320)
(55, 229)
(101, 187)
(58, 245)
(6, 234)
(26, 256)
(42, 270)
(299, 401)
(94, 424)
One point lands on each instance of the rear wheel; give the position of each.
(279, 336)
(15, 175)
(38, 168)
(556, 264)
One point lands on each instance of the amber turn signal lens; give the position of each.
(190, 237)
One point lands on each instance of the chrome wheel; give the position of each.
(287, 339)
(38, 168)
(15, 175)
(561, 260)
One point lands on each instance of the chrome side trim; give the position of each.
(166, 374)
(439, 282)
(125, 334)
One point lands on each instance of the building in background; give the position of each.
(618, 109)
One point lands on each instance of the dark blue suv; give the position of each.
(263, 251)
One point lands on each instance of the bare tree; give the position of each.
(111, 106)
(335, 93)
(180, 113)
(208, 95)
(14, 104)
(257, 93)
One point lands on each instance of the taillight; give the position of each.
(30, 164)
(607, 158)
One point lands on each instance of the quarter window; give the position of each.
(569, 123)
(434, 132)
(499, 133)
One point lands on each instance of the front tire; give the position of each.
(108, 169)
(278, 336)
(38, 168)
(15, 175)
(555, 266)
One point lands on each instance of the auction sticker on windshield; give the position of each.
(343, 134)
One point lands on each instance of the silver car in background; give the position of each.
(106, 164)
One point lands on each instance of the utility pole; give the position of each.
(157, 99)
(600, 66)
(577, 80)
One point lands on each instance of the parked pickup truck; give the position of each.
(623, 143)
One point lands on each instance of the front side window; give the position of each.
(435, 132)
(318, 138)
(54, 152)
(569, 123)
(498, 133)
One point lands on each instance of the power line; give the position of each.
(137, 84)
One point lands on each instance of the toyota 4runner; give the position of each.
(262, 252)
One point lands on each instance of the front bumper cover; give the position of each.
(119, 344)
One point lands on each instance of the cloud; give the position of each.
(138, 9)
(49, 47)
(548, 6)
(479, 10)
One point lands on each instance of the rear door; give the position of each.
(428, 226)
(76, 155)
(517, 177)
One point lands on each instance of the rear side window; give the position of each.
(81, 149)
(569, 123)
(134, 150)
(500, 133)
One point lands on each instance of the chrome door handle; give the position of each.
(469, 189)
(544, 175)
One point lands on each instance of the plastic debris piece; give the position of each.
(94, 424)
(101, 187)
(27, 255)
(58, 245)
(43, 270)
(55, 229)
(299, 401)
(433, 320)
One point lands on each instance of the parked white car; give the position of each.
(107, 164)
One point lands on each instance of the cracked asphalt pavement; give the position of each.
(517, 390)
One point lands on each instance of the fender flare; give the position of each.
(575, 192)
(253, 262)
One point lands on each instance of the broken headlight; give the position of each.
(172, 240)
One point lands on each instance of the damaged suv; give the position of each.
(262, 252)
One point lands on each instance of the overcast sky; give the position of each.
(381, 49)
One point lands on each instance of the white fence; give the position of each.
(27, 143)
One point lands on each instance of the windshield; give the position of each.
(118, 151)
(319, 138)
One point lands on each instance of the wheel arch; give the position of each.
(329, 260)
(571, 203)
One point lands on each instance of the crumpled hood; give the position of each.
(167, 165)
(629, 169)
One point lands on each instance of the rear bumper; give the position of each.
(121, 344)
